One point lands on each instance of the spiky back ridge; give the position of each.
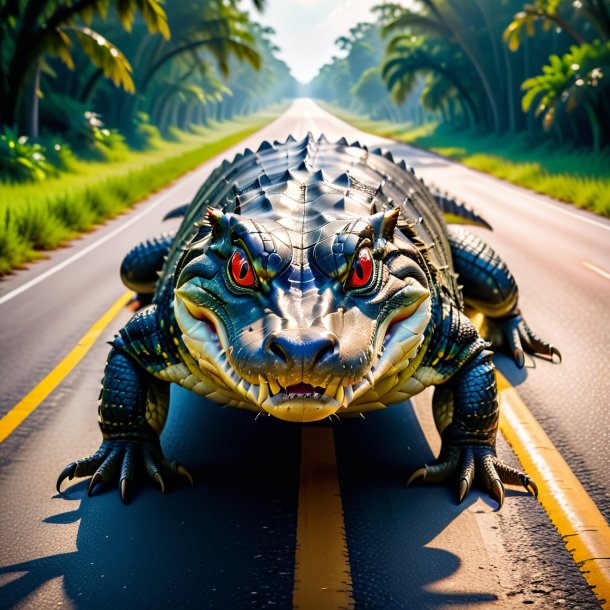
(307, 183)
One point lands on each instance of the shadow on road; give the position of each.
(230, 541)
(389, 527)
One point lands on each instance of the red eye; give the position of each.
(242, 271)
(362, 270)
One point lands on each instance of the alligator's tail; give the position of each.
(454, 211)
(457, 211)
(178, 212)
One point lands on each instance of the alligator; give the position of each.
(310, 279)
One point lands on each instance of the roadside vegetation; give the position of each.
(35, 218)
(105, 101)
(521, 91)
(580, 177)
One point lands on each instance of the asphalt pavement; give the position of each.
(230, 542)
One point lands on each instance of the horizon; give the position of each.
(296, 20)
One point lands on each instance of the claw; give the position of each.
(555, 352)
(498, 490)
(420, 472)
(464, 489)
(67, 472)
(125, 488)
(519, 357)
(159, 480)
(183, 471)
(95, 479)
(530, 485)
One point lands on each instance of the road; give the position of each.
(231, 542)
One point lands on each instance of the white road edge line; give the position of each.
(596, 269)
(43, 276)
(539, 199)
(522, 191)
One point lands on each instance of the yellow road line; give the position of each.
(571, 510)
(25, 407)
(322, 578)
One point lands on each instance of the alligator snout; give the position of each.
(301, 349)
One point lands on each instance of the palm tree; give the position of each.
(545, 11)
(409, 58)
(462, 25)
(32, 29)
(574, 82)
(203, 32)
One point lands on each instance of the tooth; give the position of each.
(369, 377)
(331, 390)
(263, 392)
(349, 394)
(340, 395)
(274, 386)
(253, 392)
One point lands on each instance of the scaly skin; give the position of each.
(309, 279)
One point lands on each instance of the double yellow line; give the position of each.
(322, 574)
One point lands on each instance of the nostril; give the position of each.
(326, 349)
(275, 348)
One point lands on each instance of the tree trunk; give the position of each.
(595, 132)
(33, 102)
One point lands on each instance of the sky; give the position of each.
(307, 29)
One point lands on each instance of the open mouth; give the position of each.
(302, 402)
(337, 391)
(303, 389)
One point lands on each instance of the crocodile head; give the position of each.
(301, 324)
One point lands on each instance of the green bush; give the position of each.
(58, 153)
(38, 227)
(13, 249)
(82, 129)
(144, 135)
(21, 160)
(72, 213)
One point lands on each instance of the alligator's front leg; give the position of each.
(133, 408)
(469, 402)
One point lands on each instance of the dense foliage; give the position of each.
(498, 66)
(104, 74)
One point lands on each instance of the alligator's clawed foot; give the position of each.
(517, 336)
(124, 458)
(470, 462)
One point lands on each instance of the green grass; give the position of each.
(35, 217)
(574, 176)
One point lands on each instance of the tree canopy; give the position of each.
(495, 66)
